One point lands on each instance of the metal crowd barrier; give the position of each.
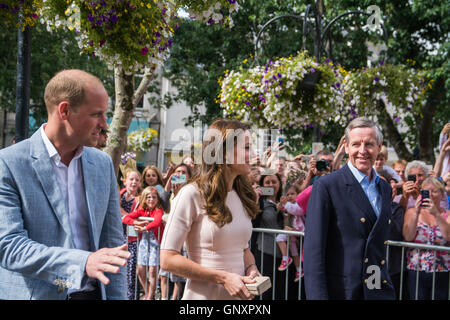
(274, 253)
(132, 233)
(413, 245)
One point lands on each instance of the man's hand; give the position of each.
(106, 260)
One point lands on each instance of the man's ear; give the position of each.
(346, 147)
(63, 110)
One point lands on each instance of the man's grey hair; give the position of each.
(363, 122)
(417, 164)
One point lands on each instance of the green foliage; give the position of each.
(51, 52)
(417, 30)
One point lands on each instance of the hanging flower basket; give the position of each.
(310, 80)
(133, 33)
(402, 89)
(279, 94)
(142, 140)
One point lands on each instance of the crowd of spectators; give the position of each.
(283, 188)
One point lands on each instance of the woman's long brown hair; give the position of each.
(212, 179)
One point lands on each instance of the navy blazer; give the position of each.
(345, 241)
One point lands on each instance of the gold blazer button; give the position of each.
(363, 220)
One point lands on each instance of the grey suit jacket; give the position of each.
(38, 259)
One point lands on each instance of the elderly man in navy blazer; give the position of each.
(60, 226)
(347, 224)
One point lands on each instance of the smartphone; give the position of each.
(267, 191)
(280, 141)
(412, 177)
(182, 178)
(178, 179)
(425, 194)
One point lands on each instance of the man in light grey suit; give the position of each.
(60, 223)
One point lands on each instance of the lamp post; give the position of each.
(319, 31)
(23, 82)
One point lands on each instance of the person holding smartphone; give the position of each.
(272, 218)
(428, 223)
(181, 175)
(416, 173)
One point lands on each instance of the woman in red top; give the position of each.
(150, 234)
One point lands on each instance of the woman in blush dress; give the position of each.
(212, 214)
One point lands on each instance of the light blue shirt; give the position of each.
(370, 188)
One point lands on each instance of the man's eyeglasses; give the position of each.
(104, 131)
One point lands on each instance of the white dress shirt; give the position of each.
(70, 181)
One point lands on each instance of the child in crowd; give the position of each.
(150, 234)
(294, 221)
(129, 201)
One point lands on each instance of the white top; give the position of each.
(70, 181)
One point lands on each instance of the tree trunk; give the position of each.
(391, 133)
(126, 101)
(123, 114)
(426, 126)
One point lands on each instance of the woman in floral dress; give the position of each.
(428, 223)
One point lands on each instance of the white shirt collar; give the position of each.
(360, 176)
(52, 152)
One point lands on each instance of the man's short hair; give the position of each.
(417, 164)
(68, 85)
(363, 122)
(324, 152)
(400, 162)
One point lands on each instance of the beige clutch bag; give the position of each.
(261, 285)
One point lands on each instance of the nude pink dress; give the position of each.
(206, 243)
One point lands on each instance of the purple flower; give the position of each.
(279, 75)
(101, 43)
(338, 85)
(397, 119)
(144, 51)
(377, 79)
(381, 63)
(313, 70)
(247, 103)
(114, 18)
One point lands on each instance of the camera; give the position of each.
(267, 191)
(322, 165)
(412, 177)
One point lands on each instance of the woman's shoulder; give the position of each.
(190, 189)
